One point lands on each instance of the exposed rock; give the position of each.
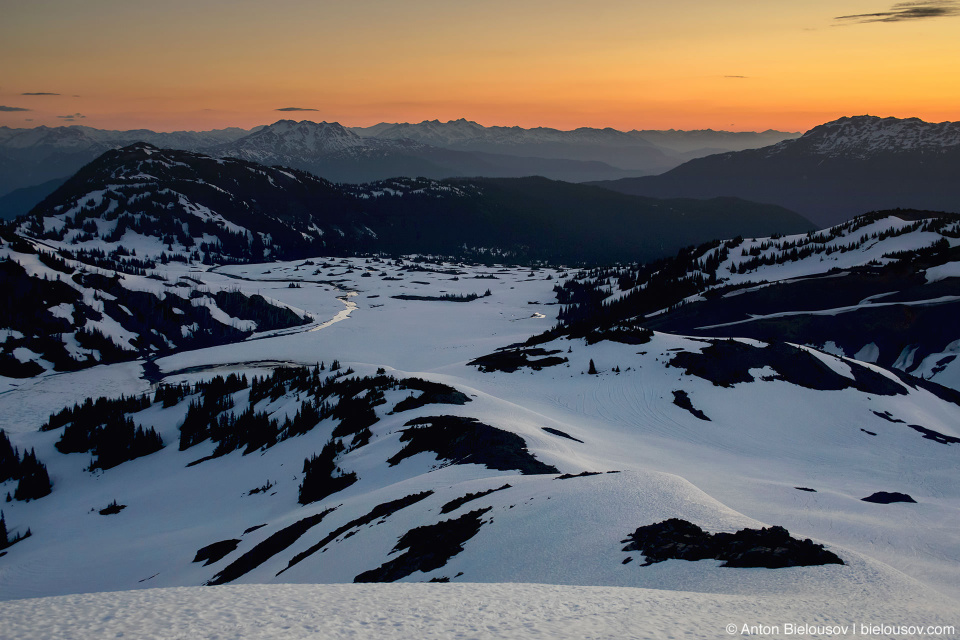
(216, 551)
(456, 503)
(888, 497)
(557, 432)
(682, 400)
(771, 547)
(467, 441)
(582, 474)
(427, 548)
(512, 359)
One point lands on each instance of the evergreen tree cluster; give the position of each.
(214, 397)
(321, 476)
(92, 412)
(31, 475)
(106, 428)
(117, 260)
(349, 400)
(446, 297)
(113, 440)
(102, 428)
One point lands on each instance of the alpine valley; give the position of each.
(229, 391)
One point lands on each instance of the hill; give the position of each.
(881, 288)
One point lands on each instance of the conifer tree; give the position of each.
(593, 368)
(9, 460)
(34, 480)
(4, 542)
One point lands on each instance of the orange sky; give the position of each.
(686, 64)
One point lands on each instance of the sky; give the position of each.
(629, 64)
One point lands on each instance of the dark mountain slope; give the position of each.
(831, 173)
(547, 220)
(215, 210)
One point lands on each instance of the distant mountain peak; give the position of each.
(865, 135)
(290, 139)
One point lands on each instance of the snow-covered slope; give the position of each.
(884, 288)
(187, 204)
(787, 437)
(482, 611)
(68, 314)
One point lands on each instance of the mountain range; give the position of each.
(831, 173)
(214, 210)
(33, 160)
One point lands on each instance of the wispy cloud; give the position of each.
(295, 109)
(6, 108)
(904, 11)
(741, 77)
(72, 116)
(39, 93)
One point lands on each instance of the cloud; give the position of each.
(72, 116)
(40, 93)
(6, 108)
(903, 11)
(735, 76)
(295, 109)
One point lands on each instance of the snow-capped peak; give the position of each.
(298, 139)
(864, 136)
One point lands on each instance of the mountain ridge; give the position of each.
(29, 157)
(830, 173)
(239, 210)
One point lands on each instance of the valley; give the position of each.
(650, 458)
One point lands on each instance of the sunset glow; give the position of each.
(688, 64)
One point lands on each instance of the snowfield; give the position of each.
(481, 611)
(546, 559)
